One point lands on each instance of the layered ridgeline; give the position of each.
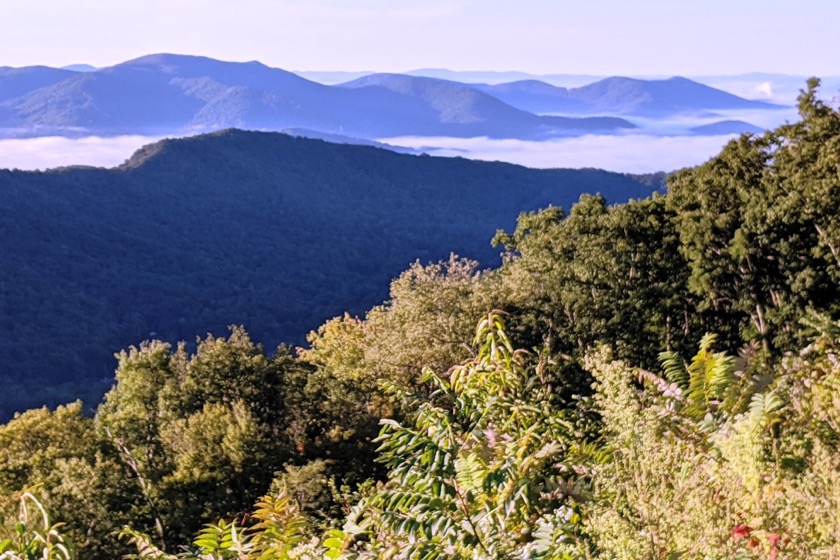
(262, 229)
(621, 96)
(167, 94)
(174, 94)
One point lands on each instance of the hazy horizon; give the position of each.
(609, 37)
(577, 38)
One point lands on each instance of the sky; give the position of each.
(596, 37)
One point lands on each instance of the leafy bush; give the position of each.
(694, 475)
(35, 536)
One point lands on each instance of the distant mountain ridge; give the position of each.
(273, 231)
(727, 127)
(771, 87)
(465, 105)
(15, 82)
(499, 77)
(80, 68)
(621, 96)
(167, 94)
(175, 94)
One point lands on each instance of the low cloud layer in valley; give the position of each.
(49, 152)
(630, 154)
(626, 154)
(634, 153)
(664, 145)
(617, 123)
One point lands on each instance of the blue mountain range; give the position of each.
(168, 94)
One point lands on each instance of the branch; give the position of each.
(144, 486)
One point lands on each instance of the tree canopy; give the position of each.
(656, 379)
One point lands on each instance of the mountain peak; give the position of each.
(80, 68)
(179, 63)
(161, 58)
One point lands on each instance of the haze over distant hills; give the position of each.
(16, 82)
(727, 127)
(80, 68)
(168, 94)
(468, 107)
(761, 86)
(621, 96)
(490, 77)
(173, 94)
(276, 232)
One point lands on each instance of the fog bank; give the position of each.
(634, 153)
(54, 151)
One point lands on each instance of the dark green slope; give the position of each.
(263, 229)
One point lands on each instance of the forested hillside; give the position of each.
(267, 230)
(655, 379)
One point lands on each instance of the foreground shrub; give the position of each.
(760, 479)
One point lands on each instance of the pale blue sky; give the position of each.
(600, 37)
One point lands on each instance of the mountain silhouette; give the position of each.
(621, 96)
(167, 94)
(455, 107)
(15, 82)
(80, 68)
(727, 127)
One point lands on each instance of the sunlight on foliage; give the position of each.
(34, 536)
(485, 462)
(757, 482)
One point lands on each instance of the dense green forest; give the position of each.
(263, 229)
(651, 380)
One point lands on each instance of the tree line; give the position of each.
(655, 379)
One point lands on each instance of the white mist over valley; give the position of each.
(96, 117)
(658, 144)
